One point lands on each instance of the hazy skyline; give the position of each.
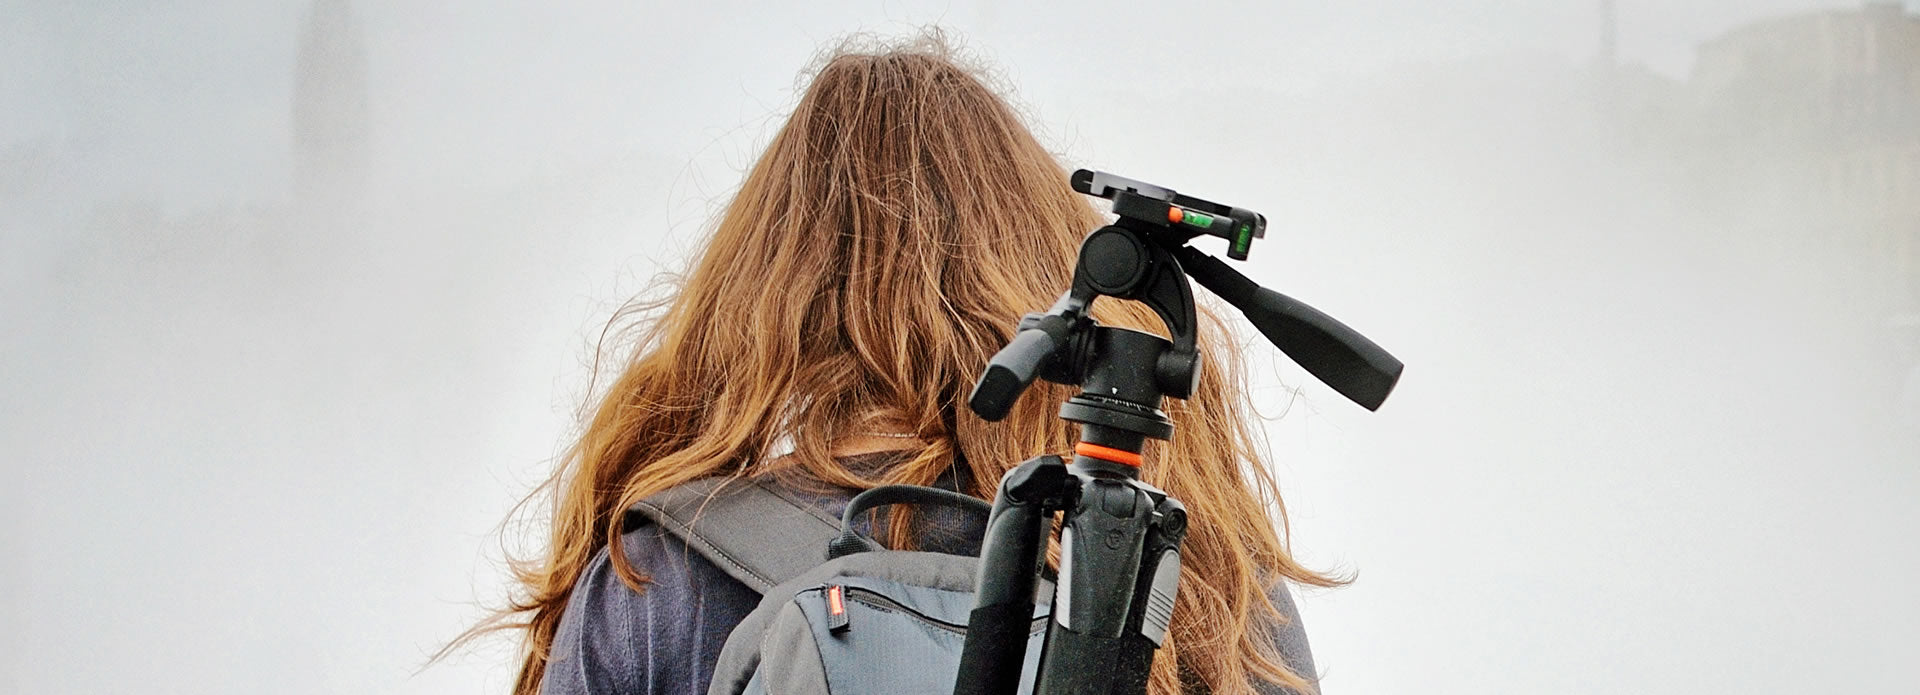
(201, 113)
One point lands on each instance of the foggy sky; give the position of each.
(267, 453)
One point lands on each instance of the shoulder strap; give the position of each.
(749, 530)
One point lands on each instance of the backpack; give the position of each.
(839, 614)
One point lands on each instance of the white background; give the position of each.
(1628, 455)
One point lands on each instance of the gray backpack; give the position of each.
(856, 619)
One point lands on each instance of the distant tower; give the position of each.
(1609, 55)
(330, 110)
(1606, 65)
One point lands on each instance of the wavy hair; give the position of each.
(875, 257)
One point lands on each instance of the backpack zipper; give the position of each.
(878, 600)
(881, 601)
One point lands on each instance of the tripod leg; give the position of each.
(1119, 571)
(1010, 563)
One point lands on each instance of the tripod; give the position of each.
(1120, 537)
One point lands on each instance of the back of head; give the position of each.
(880, 250)
(875, 257)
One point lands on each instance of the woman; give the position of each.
(876, 256)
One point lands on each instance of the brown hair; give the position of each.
(877, 254)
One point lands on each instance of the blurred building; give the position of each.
(330, 120)
(1810, 124)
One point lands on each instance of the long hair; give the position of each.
(876, 256)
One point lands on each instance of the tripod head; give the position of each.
(1144, 256)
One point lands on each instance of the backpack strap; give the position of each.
(750, 530)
